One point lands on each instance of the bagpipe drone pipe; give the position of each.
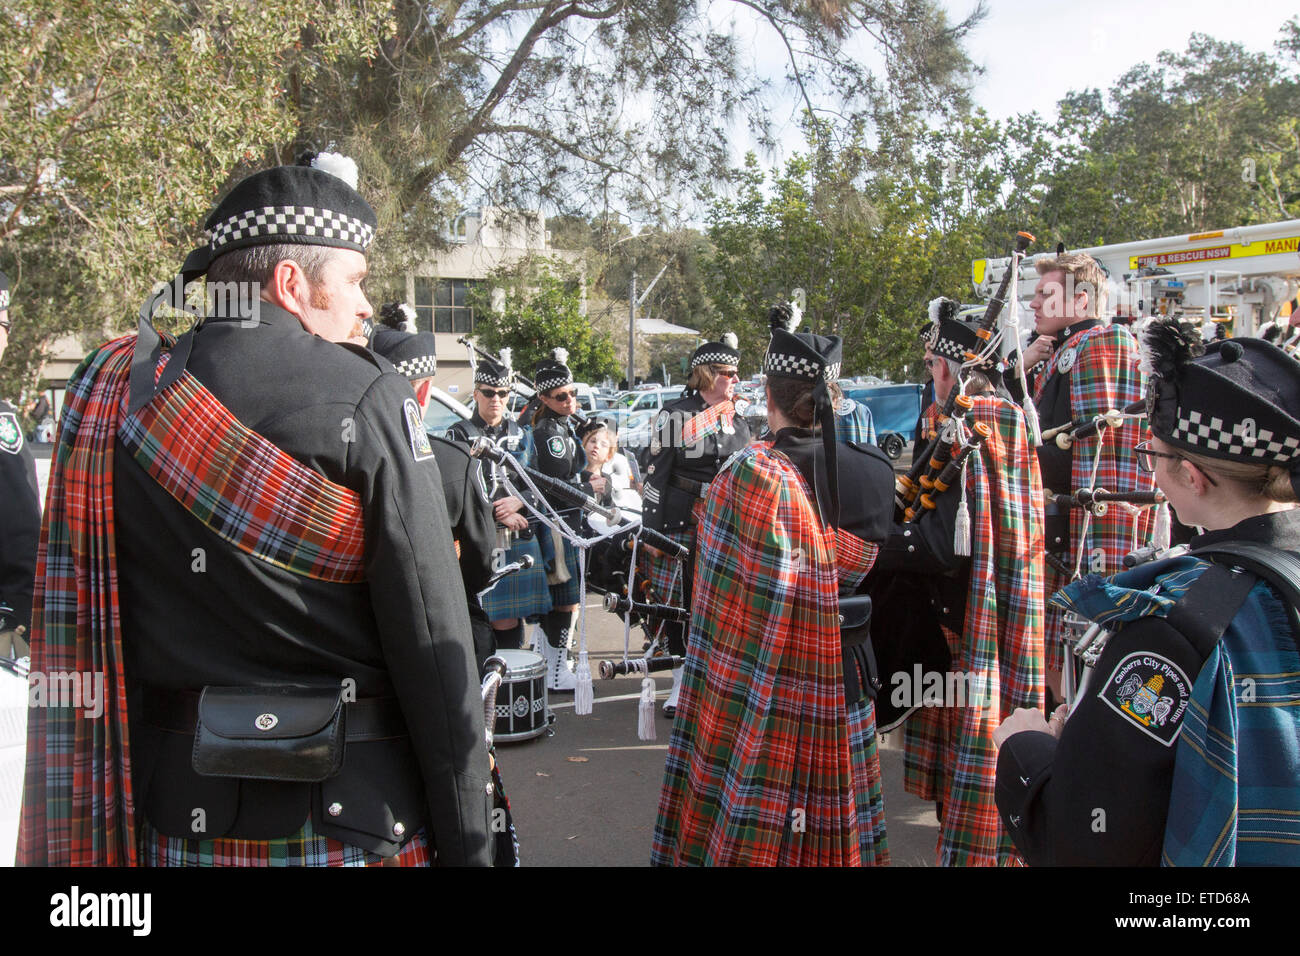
(931, 462)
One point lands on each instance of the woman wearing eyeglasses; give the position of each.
(1184, 746)
(694, 435)
(523, 595)
(560, 455)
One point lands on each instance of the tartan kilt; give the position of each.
(570, 592)
(304, 848)
(868, 787)
(524, 593)
(659, 569)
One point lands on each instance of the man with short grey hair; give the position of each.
(283, 615)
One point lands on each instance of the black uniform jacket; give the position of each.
(20, 519)
(866, 491)
(1054, 409)
(560, 455)
(509, 436)
(196, 611)
(667, 505)
(938, 578)
(1100, 795)
(473, 526)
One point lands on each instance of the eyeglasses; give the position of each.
(566, 396)
(504, 393)
(1146, 456)
(724, 372)
(930, 362)
(4, 324)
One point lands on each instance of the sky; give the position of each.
(1035, 53)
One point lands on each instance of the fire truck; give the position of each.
(1241, 278)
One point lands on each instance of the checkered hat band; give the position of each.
(1244, 439)
(487, 378)
(546, 384)
(949, 349)
(278, 221)
(420, 367)
(799, 366)
(4, 299)
(715, 358)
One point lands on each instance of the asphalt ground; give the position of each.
(587, 794)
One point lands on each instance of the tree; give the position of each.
(1202, 139)
(534, 306)
(119, 125)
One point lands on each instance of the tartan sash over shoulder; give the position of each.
(77, 799)
(759, 770)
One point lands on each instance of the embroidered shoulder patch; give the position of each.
(555, 445)
(420, 445)
(11, 434)
(1151, 692)
(845, 406)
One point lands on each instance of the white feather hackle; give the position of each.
(505, 358)
(935, 305)
(730, 341)
(336, 164)
(796, 316)
(560, 354)
(408, 316)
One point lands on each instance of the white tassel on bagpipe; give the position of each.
(961, 543)
(584, 695)
(645, 710)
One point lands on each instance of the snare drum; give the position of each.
(522, 712)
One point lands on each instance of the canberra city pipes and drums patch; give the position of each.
(420, 446)
(1151, 692)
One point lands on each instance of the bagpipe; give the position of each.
(1073, 431)
(617, 533)
(916, 491)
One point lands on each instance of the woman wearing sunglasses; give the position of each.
(559, 455)
(1183, 747)
(690, 444)
(525, 594)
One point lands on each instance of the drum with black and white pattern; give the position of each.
(521, 708)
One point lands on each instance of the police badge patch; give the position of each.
(420, 445)
(845, 406)
(1150, 692)
(11, 435)
(555, 445)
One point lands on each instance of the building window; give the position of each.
(441, 305)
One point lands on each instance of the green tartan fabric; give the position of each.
(949, 754)
(759, 771)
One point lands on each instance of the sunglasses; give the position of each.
(563, 396)
(490, 393)
(724, 372)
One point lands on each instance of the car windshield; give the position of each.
(438, 417)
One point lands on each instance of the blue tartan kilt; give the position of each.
(570, 592)
(524, 593)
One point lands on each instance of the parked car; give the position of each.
(894, 411)
(444, 411)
